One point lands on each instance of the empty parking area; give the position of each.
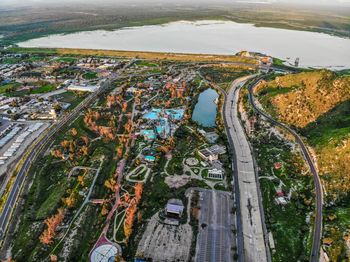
(215, 235)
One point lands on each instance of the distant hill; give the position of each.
(20, 23)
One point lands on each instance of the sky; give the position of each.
(308, 2)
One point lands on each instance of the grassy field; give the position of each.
(43, 89)
(15, 60)
(10, 89)
(70, 97)
(90, 75)
(12, 60)
(66, 59)
(224, 75)
(145, 63)
(334, 125)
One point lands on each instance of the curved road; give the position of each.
(314, 256)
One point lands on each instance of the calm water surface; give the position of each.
(212, 37)
(205, 110)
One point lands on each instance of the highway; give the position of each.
(317, 234)
(251, 240)
(41, 145)
(250, 222)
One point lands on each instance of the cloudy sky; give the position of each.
(313, 2)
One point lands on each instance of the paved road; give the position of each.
(317, 234)
(251, 241)
(250, 237)
(41, 144)
(214, 238)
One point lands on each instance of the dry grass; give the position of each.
(158, 56)
(334, 159)
(311, 95)
(300, 100)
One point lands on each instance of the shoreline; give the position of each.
(188, 57)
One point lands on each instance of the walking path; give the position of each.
(86, 201)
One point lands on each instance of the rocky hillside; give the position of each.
(317, 104)
(302, 98)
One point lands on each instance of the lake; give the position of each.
(212, 37)
(205, 110)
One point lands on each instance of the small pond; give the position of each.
(205, 110)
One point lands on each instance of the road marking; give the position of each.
(246, 172)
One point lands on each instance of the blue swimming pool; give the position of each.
(152, 115)
(148, 134)
(156, 113)
(176, 114)
(150, 158)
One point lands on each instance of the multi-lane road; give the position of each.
(250, 238)
(250, 223)
(317, 234)
(39, 146)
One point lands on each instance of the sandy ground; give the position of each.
(165, 242)
(177, 181)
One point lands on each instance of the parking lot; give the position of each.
(215, 237)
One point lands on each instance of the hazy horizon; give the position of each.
(9, 3)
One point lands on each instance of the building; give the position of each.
(212, 153)
(207, 155)
(266, 61)
(83, 88)
(174, 208)
(104, 251)
(215, 173)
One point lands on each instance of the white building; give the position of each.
(174, 208)
(83, 88)
(212, 153)
(215, 173)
